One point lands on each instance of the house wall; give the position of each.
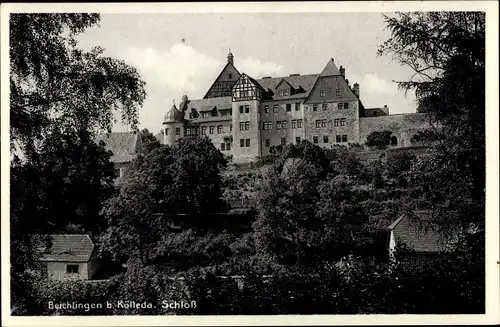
(57, 270)
(351, 122)
(403, 126)
(274, 135)
(92, 266)
(218, 138)
(245, 154)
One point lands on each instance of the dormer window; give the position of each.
(285, 92)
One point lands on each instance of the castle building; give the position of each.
(244, 116)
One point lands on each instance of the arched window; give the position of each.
(394, 141)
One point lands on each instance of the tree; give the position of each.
(446, 52)
(166, 191)
(380, 140)
(149, 141)
(59, 96)
(54, 83)
(285, 225)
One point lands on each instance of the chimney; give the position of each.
(230, 58)
(385, 109)
(342, 71)
(355, 89)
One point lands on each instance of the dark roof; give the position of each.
(124, 145)
(220, 102)
(306, 82)
(422, 239)
(330, 69)
(69, 248)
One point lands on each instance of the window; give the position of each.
(339, 106)
(344, 138)
(178, 131)
(337, 92)
(72, 269)
(117, 172)
(247, 126)
(268, 143)
(288, 107)
(315, 107)
(285, 92)
(230, 76)
(315, 139)
(211, 131)
(283, 141)
(247, 142)
(266, 109)
(242, 126)
(324, 107)
(264, 126)
(278, 124)
(231, 127)
(346, 105)
(223, 146)
(275, 108)
(228, 146)
(318, 123)
(325, 139)
(166, 131)
(241, 109)
(242, 143)
(203, 130)
(342, 121)
(297, 106)
(336, 122)
(247, 109)
(299, 123)
(297, 140)
(220, 130)
(338, 139)
(322, 93)
(284, 124)
(323, 123)
(294, 123)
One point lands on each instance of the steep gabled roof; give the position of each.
(226, 67)
(330, 69)
(124, 145)
(422, 239)
(69, 248)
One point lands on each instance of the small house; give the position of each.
(70, 256)
(125, 147)
(420, 235)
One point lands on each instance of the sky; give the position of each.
(180, 54)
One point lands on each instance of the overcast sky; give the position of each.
(268, 44)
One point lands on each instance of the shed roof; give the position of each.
(69, 248)
(421, 239)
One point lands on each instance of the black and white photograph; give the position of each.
(213, 160)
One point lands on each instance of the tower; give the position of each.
(173, 122)
(247, 94)
(230, 58)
